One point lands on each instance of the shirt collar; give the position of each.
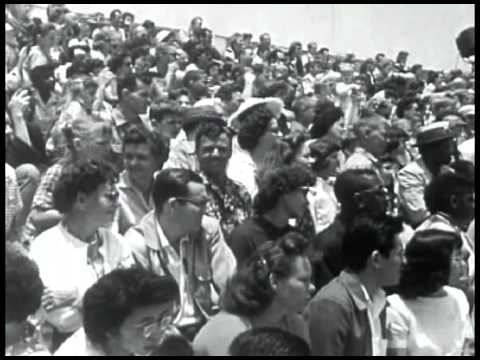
(77, 243)
(124, 180)
(362, 151)
(359, 294)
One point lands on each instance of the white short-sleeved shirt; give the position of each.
(429, 326)
(64, 266)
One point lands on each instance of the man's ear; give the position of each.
(125, 92)
(375, 259)
(80, 201)
(273, 281)
(170, 205)
(453, 201)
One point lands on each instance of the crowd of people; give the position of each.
(163, 197)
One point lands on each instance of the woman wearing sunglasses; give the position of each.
(74, 254)
(271, 289)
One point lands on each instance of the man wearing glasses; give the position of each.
(359, 192)
(177, 239)
(127, 312)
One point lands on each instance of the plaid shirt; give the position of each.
(231, 205)
(43, 199)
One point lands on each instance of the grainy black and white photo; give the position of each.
(240, 179)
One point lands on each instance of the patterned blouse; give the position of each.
(231, 205)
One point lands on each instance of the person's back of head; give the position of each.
(23, 286)
(428, 258)
(350, 187)
(452, 191)
(250, 291)
(325, 116)
(268, 342)
(279, 181)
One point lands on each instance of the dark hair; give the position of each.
(174, 94)
(405, 104)
(166, 108)
(128, 82)
(139, 135)
(326, 114)
(278, 182)
(39, 29)
(428, 255)
(82, 177)
(23, 286)
(40, 73)
(148, 24)
(192, 76)
(268, 341)
(322, 148)
(211, 130)
(116, 62)
(351, 181)
(115, 296)
(301, 107)
(254, 123)
(126, 14)
(249, 291)
(114, 13)
(454, 179)
(367, 235)
(172, 183)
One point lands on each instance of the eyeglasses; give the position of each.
(156, 327)
(200, 204)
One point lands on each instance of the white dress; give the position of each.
(429, 326)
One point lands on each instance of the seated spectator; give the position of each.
(128, 312)
(260, 294)
(436, 149)
(370, 144)
(194, 82)
(409, 115)
(23, 294)
(176, 233)
(166, 119)
(353, 303)
(228, 201)
(428, 317)
(143, 154)
(359, 193)
(450, 198)
(255, 140)
(268, 341)
(132, 102)
(323, 203)
(81, 140)
(282, 196)
(182, 154)
(86, 196)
